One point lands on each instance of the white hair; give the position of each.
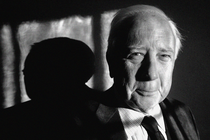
(124, 17)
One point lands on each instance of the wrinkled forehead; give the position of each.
(150, 27)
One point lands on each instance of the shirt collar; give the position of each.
(132, 119)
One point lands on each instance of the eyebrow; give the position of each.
(160, 48)
(136, 46)
(166, 50)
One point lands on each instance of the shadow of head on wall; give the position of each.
(56, 67)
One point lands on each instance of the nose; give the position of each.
(148, 69)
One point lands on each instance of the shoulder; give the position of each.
(15, 118)
(18, 109)
(175, 104)
(180, 112)
(100, 97)
(177, 109)
(181, 115)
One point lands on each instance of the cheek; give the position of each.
(166, 79)
(130, 73)
(130, 69)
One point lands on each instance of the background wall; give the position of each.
(24, 22)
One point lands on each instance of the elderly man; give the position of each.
(142, 49)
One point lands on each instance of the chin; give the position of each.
(145, 103)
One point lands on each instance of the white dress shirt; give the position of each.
(132, 119)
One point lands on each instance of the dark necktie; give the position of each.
(150, 124)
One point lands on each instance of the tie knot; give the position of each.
(150, 124)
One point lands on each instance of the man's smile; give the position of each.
(146, 92)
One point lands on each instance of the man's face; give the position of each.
(146, 66)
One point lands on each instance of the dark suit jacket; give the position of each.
(59, 119)
(33, 120)
(179, 121)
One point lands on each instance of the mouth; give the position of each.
(146, 92)
(148, 88)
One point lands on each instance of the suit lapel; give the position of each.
(105, 113)
(172, 129)
(111, 123)
(179, 120)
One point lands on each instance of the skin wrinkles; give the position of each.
(140, 28)
(148, 67)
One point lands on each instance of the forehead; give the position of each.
(150, 30)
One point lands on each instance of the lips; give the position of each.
(146, 93)
(148, 87)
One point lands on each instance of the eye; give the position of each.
(165, 57)
(135, 56)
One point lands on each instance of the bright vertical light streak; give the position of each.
(8, 66)
(106, 19)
